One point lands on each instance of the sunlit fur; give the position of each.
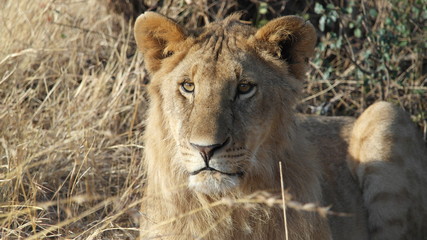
(259, 131)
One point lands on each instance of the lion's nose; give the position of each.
(207, 151)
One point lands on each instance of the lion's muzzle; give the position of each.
(207, 151)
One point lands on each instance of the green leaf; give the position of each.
(322, 22)
(419, 91)
(403, 43)
(424, 14)
(339, 42)
(263, 8)
(333, 16)
(367, 54)
(318, 8)
(330, 6)
(357, 33)
(373, 12)
(415, 11)
(321, 46)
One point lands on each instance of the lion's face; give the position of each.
(217, 116)
(219, 95)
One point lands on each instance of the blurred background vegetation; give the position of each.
(72, 100)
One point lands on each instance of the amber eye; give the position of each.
(245, 88)
(187, 87)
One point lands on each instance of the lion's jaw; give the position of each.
(212, 182)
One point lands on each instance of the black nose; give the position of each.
(207, 151)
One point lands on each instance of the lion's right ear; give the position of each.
(157, 36)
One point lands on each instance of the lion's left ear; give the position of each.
(290, 38)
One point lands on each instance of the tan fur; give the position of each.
(253, 132)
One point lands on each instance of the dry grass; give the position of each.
(72, 113)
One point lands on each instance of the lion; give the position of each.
(221, 119)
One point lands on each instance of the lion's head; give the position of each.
(219, 94)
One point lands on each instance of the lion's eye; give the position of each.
(246, 90)
(187, 87)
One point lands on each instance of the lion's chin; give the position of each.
(212, 182)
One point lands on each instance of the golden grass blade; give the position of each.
(282, 186)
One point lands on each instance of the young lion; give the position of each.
(221, 119)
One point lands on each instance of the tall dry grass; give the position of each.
(72, 113)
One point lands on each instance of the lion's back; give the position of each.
(374, 168)
(330, 136)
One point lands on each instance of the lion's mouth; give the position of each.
(237, 174)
